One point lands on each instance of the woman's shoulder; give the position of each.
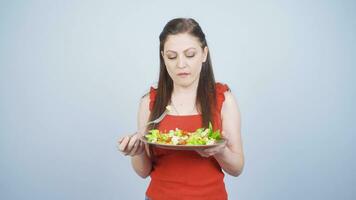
(222, 91)
(225, 97)
(147, 100)
(221, 87)
(151, 93)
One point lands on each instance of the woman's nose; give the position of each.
(181, 63)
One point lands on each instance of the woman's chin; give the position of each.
(185, 83)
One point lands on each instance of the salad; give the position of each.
(202, 136)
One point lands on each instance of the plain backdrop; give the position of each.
(72, 74)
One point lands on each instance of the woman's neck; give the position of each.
(185, 91)
(184, 99)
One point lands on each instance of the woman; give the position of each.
(186, 83)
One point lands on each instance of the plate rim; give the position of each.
(181, 147)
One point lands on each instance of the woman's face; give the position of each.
(183, 57)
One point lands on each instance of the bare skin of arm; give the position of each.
(131, 145)
(229, 155)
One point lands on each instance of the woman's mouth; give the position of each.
(183, 74)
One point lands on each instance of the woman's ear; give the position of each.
(162, 54)
(205, 53)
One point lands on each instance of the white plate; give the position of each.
(182, 147)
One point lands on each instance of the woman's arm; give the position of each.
(231, 158)
(230, 155)
(142, 163)
(133, 146)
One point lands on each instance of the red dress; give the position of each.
(185, 175)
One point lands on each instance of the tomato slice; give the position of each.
(182, 142)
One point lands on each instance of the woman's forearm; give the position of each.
(231, 162)
(142, 164)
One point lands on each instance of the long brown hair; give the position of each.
(206, 96)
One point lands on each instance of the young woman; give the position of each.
(186, 83)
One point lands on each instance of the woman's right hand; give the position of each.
(131, 145)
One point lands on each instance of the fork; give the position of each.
(159, 119)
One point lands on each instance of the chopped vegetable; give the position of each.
(202, 136)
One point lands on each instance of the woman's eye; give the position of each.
(190, 55)
(171, 58)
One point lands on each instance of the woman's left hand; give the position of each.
(211, 151)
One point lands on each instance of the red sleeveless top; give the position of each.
(185, 175)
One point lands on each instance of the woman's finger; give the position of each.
(134, 148)
(123, 143)
(201, 153)
(141, 148)
(118, 143)
(210, 150)
(120, 140)
(214, 150)
(205, 155)
(131, 143)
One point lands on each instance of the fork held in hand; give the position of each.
(159, 119)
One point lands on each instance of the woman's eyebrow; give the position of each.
(183, 51)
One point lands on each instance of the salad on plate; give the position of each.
(179, 138)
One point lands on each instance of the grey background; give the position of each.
(72, 74)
